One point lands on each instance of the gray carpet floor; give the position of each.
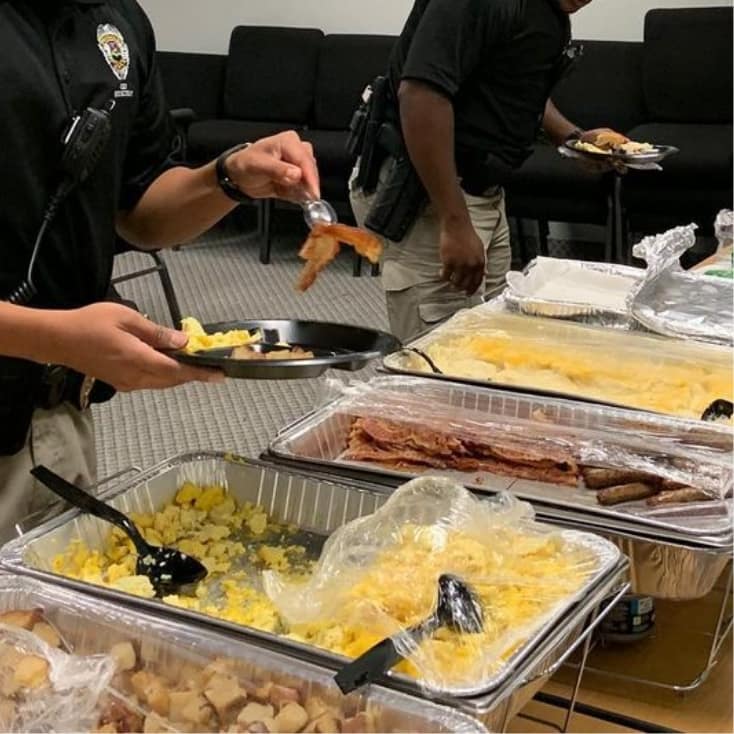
(217, 279)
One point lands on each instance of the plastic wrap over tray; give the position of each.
(674, 303)
(179, 673)
(574, 290)
(378, 577)
(630, 369)
(313, 509)
(538, 448)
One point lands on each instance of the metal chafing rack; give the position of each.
(318, 506)
(677, 553)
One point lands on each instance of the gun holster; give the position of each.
(401, 196)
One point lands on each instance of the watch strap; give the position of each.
(228, 186)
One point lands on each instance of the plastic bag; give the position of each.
(377, 577)
(45, 689)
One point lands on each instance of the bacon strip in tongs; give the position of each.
(322, 246)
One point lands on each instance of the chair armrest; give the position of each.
(183, 117)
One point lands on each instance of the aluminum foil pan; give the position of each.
(584, 292)
(313, 505)
(320, 439)
(682, 305)
(90, 626)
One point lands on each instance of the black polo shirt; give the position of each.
(497, 60)
(58, 57)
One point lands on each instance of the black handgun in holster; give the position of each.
(364, 133)
(401, 196)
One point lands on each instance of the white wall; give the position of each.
(193, 25)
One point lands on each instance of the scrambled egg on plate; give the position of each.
(199, 340)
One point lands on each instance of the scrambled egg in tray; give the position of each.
(624, 379)
(523, 578)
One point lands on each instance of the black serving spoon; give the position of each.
(457, 608)
(717, 410)
(167, 568)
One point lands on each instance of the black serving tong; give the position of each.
(457, 608)
(717, 410)
(167, 568)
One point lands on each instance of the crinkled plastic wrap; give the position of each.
(44, 689)
(629, 369)
(674, 303)
(724, 228)
(689, 453)
(378, 577)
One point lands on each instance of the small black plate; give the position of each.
(335, 346)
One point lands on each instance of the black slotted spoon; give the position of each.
(167, 568)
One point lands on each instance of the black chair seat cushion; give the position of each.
(550, 187)
(208, 138)
(704, 160)
(271, 73)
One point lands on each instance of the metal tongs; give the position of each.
(316, 211)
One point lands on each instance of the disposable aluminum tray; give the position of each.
(605, 344)
(91, 626)
(320, 439)
(313, 505)
(576, 311)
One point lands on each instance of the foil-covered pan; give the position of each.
(316, 507)
(91, 626)
(675, 303)
(619, 439)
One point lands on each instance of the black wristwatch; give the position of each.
(225, 182)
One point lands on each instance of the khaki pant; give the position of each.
(61, 439)
(417, 299)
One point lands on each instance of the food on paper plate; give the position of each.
(609, 142)
(200, 341)
(323, 245)
(408, 447)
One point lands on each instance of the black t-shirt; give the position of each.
(58, 57)
(497, 60)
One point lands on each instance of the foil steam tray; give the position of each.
(315, 506)
(319, 440)
(90, 626)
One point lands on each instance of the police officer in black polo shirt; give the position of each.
(468, 89)
(58, 59)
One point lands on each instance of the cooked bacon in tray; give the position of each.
(322, 246)
(404, 446)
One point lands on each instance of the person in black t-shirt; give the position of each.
(58, 57)
(471, 81)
